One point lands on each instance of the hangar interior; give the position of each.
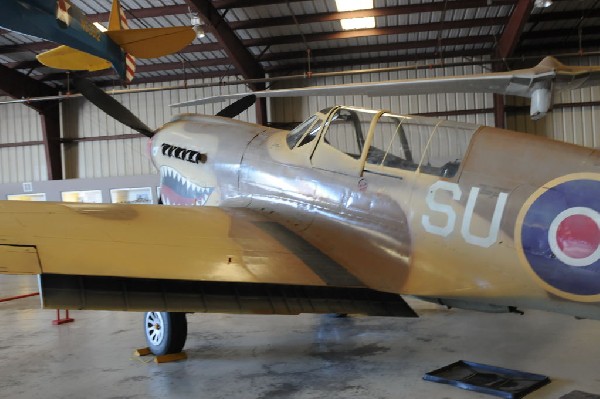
(70, 145)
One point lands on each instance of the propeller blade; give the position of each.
(236, 108)
(112, 107)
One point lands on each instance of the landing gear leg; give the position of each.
(165, 332)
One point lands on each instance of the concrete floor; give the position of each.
(271, 357)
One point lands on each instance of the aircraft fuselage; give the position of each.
(513, 223)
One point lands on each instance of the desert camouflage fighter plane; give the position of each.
(344, 214)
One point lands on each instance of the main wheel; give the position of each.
(165, 332)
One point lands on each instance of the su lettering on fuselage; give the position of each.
(446, 229)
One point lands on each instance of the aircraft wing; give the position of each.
(153, 42)
(456, 84)
(144, 257)
(65, 57)
(537, 83)
(203, 243)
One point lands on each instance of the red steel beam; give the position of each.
(51, 139)
(572, 45)
(173, 78)
(23, 48)
(379, 48)
(560, 33)
(238, 53)
(377, 60)
(18, 85)
(241, 58)
(437, 6)
(394, 30)
(139, 13)
(565, 15)
(224, 4)
(513, 29)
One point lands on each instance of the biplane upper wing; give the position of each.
(195, 259)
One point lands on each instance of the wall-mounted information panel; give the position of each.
(87, 196)
(27, 197)
(140, 195)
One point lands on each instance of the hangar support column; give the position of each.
(17, 85)
(51, 137)
(240, 57)
(506, 46)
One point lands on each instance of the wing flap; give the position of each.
(158, 242)
(65, 57)
(102, 293)
(153, 42)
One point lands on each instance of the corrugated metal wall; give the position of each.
(98, 156)
(21, 124)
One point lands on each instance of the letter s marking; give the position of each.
(443, 231)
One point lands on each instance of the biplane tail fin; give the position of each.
(147, 42)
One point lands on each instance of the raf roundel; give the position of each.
(558, 237)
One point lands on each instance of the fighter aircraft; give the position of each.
(84, 45)
(343, 214)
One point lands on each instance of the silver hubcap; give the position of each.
(154, 328)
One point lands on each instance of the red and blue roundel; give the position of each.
(560, 237)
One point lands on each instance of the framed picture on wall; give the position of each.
(87, 196)
(141, 195)
(27, 197)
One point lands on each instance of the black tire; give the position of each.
(165, 332)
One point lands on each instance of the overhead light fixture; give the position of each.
(358, 23)
(543, 3)
(195, 21)
(353, 5)
(100, 27)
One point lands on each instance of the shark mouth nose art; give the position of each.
(175, 189)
